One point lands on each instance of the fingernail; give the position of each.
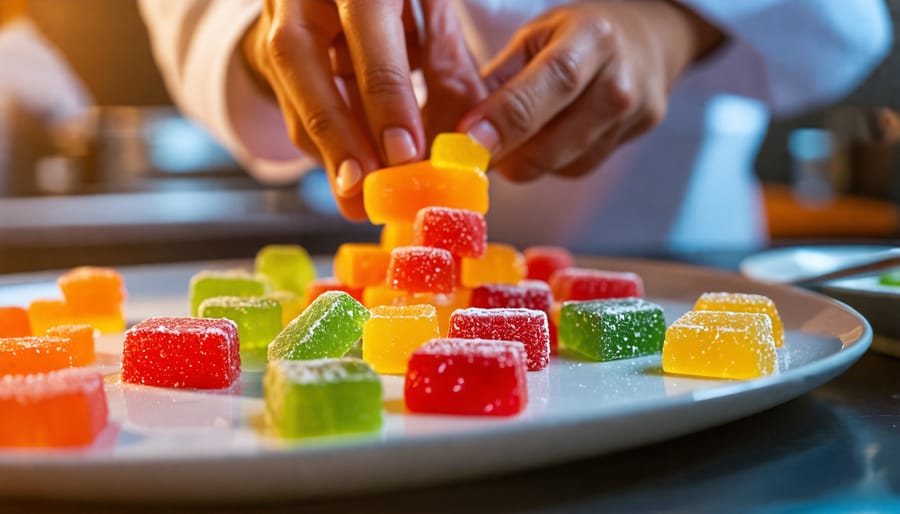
(485, 133)
(348, 176)
(398, 146)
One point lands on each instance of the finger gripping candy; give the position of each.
(321, 397)
(328, 328)
(605, 330)
(467, 377)
(64, 408)
(183, 353)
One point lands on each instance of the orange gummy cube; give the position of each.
(46, 314)
(501, 264)
(58, 409)
(397, 234)
(81, 339)
(396, 194)
(25, 355)
(361, 264)
(445, 304)
(90, 290)
(14, 322)
(382, 294)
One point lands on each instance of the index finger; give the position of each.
(375, 35)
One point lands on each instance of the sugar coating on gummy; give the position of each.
(590, 284)
(528, 294)
(209, 284)
(81, 342)
(321, 397)
(14, 322)
(419, 269)
(743, 302)
(530, 327)
(288, 267)
(467, 377)
(189, 353)
(394, 332)
(258, 319)
(463, 233)
(605, 330)
(328, 328)
(543, 261)
(719, 344)
(57, 409)
(39, 354)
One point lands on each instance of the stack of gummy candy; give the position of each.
(464, 320)
(45, 351)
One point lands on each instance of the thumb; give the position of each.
(451, 75)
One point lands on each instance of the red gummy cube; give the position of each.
(463, 233)
(530, 327)
(316, 287)
(60, 408)
(528, 294)
(467, 377)
(14, 322)
(182, 353)
(543, 261)
(419, 269)
(578, 284)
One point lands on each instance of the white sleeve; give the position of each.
(195, 43)
(792, 54)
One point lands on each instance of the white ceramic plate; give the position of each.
(876, 302)
(185, 445)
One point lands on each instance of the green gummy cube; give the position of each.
(288, 267)
(328, 328)
(321, 397)
(606, 330)
(209, 284)
(258, 321)
(891, 278)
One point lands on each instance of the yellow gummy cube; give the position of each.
(720, 344)
(459, 151)
(395, 195)
(501, 264)
(382, 294)
(742, 302)
(361, 264)
(291, 305)
(393, 333)
(397, 234)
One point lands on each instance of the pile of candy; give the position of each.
(463, 319)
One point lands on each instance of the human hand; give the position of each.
(582, 79)
(340, 70)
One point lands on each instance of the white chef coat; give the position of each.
(688, 184)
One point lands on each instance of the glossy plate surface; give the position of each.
(188, 445)
(877, 302)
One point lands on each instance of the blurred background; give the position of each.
(116, 176)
